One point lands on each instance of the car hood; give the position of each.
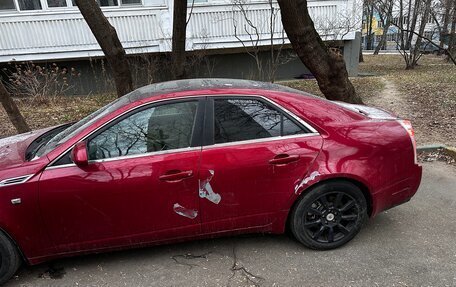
(12, 149)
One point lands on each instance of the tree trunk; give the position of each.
(326, 65)
(411, 27)
(178, 40)
(385, 28)
(452, 36)
(12, 111)
(401, 22)
(361, 58)
(109, 42)
(416, 50)
(380, 43)
(446, 21)
(369, 26)
(409, 11)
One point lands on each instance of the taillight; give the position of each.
(407, 125)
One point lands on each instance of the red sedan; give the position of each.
(200, 158)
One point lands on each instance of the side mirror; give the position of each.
(79, 154)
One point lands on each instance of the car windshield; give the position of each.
(73, 130)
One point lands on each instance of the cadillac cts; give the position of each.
(200, 158)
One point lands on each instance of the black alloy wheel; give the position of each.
(329, 215)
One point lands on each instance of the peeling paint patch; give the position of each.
(4, 151)
(205, 190)
(15, 139)
(185, 212)
(306, 180)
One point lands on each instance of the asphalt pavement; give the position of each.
(411, 245)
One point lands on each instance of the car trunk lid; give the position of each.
(370, 112)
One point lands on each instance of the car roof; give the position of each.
(202, 84)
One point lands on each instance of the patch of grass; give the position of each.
(308, 86)
(366, 87)
(60, 110)
(432, 98)
(429, 92)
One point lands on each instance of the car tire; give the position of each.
(329, 215)
(10, 259)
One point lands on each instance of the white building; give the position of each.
(54, 30)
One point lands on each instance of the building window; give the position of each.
(56, 3)
(29, 5)
(428, 34)
(379, 24)
(7, 4)
(104, 3)
(131, 2)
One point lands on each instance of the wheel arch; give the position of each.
(21, 254)
(362, 186)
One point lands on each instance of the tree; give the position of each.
(178, 39)
(12, 111)
(248, 31)
(327, 65)
(385, 10)
(452, 34)
(369, 21)
(412, 52)
(109, 42)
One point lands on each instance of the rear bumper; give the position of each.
(398, 192)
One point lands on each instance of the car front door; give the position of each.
(254, 157)
(141, 184)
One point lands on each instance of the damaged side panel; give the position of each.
(185, 212)
(309, 179)
(205, 189)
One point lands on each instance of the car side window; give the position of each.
(158, 128)
(248, 119)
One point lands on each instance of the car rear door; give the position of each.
(254, 156)
(141, 184)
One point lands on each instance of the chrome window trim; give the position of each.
(147, 154)
(24, 178)
(153, 153)
(313, 132)
(262, 140)
(60, 166)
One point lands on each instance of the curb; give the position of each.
(448, 150)
(432, 147)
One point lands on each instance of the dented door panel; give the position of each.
(252, 190)
(121, 202)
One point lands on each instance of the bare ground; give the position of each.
(425, 95)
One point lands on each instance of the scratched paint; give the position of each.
(306, 180)
(15, 139)
(206, 191)
(4, 151)
(185, 212)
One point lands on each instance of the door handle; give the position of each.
(176, 175)
(283, 159)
